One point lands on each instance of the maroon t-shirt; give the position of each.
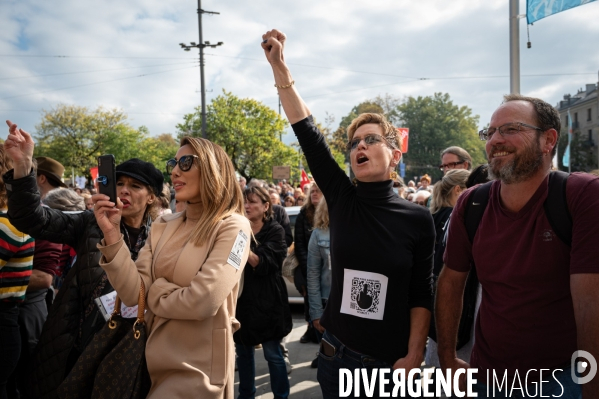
(526, 317)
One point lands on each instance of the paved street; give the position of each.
(303, 378)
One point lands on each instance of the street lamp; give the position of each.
(201, 46)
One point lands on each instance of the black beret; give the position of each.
(143, 171)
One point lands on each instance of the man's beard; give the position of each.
(522, 167)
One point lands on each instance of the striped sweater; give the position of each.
(16, 261)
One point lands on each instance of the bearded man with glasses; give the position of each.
(540, 302)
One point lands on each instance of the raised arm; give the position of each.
(19, 146)
(273, 45)
(330, 178)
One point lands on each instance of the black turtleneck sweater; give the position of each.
(379, 242)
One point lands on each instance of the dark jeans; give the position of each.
(279, 382)
(10, 343)
(32, 316)
(345, 358)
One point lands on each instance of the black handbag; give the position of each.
(113, 365)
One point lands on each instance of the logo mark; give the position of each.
(580, 366)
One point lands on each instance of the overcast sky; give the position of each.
(125, 54)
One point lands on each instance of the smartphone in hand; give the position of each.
(107, 176)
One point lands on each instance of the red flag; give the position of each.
(404, 133)
(305, 180)
(94, 172)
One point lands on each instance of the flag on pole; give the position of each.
(566, 158)
(537, 9)
(304, 180)
(94, 172)
(404, 133)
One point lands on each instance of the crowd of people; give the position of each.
(492, 267)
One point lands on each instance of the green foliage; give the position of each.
(436, 123)
(248, 131)
(75, 136)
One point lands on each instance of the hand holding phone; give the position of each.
(107, 176)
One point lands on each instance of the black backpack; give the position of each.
(556, 207)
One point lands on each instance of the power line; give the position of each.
(98, 70)
(363, 88)
(312, 66)
(95, 83)
(91, 56)
(410, 77)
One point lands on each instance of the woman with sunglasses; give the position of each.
(191, 269)
(289, 201)
(380, 303)
(74, 317)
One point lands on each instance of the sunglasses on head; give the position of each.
(185, 163)
(369, 139)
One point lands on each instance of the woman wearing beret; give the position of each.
(74, 317)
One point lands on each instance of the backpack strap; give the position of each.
(556, 207)
(475, 208)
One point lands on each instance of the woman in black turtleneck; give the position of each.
(378, 311)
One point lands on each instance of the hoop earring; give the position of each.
(393, 175)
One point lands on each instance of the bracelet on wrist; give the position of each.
(285, 86)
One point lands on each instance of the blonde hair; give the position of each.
(220, 193)
(389, 131)
(321, 216)
(443, 188)
(309, 207)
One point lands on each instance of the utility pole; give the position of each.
(514, 47)
(201, 45)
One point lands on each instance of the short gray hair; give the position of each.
(64, 200)
(459, 152)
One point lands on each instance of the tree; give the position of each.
(436, 123)
(247, 130)
(76, 136)
(583, 157)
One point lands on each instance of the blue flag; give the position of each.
(566, 157)
(537, 9)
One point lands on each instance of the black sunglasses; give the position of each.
(185, 163)
(369, 139)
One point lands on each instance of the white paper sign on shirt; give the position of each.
(106, 305)
(236, 253)
(364, 294)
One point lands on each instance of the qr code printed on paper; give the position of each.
(365, 294)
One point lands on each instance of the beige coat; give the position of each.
(191, 320)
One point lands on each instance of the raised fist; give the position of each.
(273, 43)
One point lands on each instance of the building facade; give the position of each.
(584, 111)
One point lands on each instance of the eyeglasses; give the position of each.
(423, 203)
(369, 139)
(450, 165)
(505, 130)
(185, 163)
